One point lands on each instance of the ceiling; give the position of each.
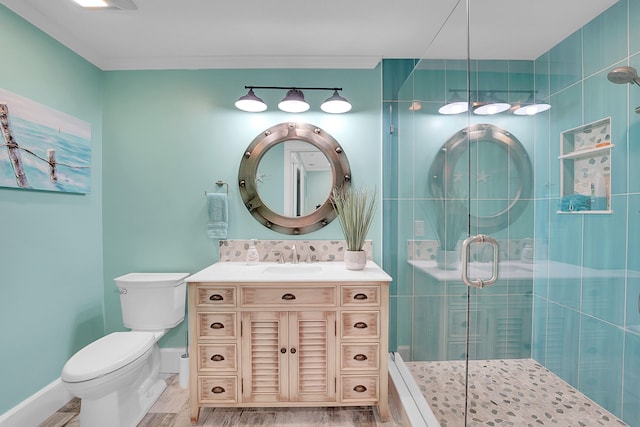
(196, 34)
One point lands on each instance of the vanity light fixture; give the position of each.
(490, 106)
(251, 103)
(531, 107)
(456, 106)
(335, 104)
(294, 101)
(92, 3)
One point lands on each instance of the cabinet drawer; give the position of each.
(361, 324)
(355, 296)
(218, 389)
(217, 357)
(359, 357)
(360, 388)
(287, 295)
(217, 325)
(216, 296)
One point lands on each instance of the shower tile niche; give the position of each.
(585, 168)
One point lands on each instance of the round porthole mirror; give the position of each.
(287, 175)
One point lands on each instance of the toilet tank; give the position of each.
(152, 301)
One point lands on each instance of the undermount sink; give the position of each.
(293, 269)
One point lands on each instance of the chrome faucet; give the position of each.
(294, 255)
(280, 257)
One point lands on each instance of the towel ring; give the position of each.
(220, 183)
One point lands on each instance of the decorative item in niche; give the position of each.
(42, 148)
(585, 168)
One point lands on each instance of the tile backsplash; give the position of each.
(317, 250)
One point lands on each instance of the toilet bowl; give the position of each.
(117, 377)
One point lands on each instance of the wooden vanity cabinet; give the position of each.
(295, 344)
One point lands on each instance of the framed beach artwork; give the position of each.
(42, 148)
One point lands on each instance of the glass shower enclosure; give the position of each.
(467, 229)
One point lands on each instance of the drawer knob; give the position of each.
(360, 388)
(360, 325)
(216, 297)
(217, 358)
(360, 297)
(217, 390)
(360, 357)
(293, 350)
(217, 325)
(288, 297)
(283, 350)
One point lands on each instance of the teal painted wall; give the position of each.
(51, 286)
(169, 135)
(160, 140)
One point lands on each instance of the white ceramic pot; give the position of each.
(447, 260)
(355, 260)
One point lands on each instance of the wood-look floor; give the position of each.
(172, 410)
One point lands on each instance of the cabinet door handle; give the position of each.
(217, 390)
(217, 358)
(360, 357)
(283, 350)
(360, 388)
(293, 350)
(216, 297)
(288, 297)
(360, 325)
(360, 297)
(217, 325)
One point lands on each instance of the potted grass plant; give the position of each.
(449, 220)
(355, 208)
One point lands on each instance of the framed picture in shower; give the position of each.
(42, 148)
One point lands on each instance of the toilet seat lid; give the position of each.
(107, 354)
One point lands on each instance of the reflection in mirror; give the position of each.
(287, 174)
(502, 153)
(294, 178)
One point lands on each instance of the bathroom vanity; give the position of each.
(287, 335)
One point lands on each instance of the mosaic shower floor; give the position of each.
(514, 392)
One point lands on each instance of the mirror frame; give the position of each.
(249, 168)
(441, 172)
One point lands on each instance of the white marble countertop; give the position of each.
(277, 273)
(518, 270)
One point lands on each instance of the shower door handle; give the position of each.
(479, 283)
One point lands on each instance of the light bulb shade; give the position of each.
(293, 102)
(531, 109)
(335, 104)
(454, 108)
(92, 3)
(251, 103)
(492, 108)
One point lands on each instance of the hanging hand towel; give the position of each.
(218, 215)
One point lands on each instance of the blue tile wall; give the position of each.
(605, 38)
(583, 302)
(631, 391)
(600, 368)
(565, 63)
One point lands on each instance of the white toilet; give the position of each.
(118, 376)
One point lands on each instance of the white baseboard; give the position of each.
(38, 407)
(42, 404)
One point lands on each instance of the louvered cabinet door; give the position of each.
(312, 352)
(265, 360)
